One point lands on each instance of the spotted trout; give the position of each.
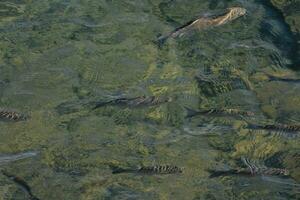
(205, 22)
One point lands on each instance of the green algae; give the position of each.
(74, 51)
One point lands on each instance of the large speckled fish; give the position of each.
(205, 22)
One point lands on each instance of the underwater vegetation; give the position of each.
(149, 99)
(19, 181)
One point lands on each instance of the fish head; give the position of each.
(236, 12)
(181, 169)
(285, 172)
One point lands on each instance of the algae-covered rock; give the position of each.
(290, 11)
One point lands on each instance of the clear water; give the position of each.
(70, 52)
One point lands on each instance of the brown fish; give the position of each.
(203, 23)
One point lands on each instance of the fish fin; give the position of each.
(248, 164)
(190, 112)
(250, 124)
(161, 40)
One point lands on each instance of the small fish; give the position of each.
(22, 183)
(157, 169)
(205, 22)
(287, 80)
(218, 112)
(251, 170)
(255, 170)
(14, 157)
(7, 115)
(279, 129)
(248, 172)
(135, 102)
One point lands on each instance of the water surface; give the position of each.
(73, 52)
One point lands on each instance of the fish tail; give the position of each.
(119, 170)
(190, 112)
(216, 173)
(102, 103)
(161, 41)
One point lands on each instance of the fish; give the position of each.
(255, 170)
(205, 22)
(279, 129)
(4, 159)
(287, 80)
(6, 115)
(76, 106)
(156, 169)
(22, 183)
(251, 170)
(218, 112)
(248, 172)
(135, 101)
(73, 106)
